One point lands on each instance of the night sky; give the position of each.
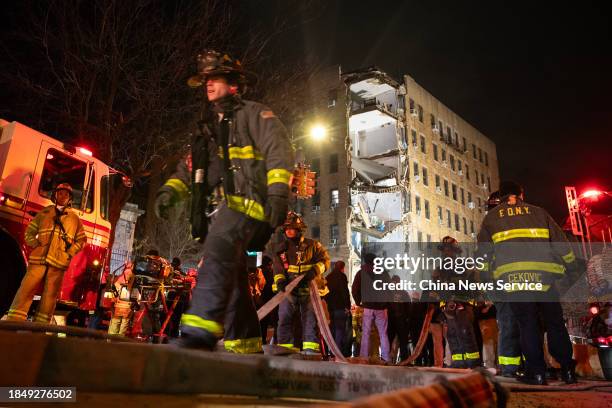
(535, 77)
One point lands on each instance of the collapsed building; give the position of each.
(397, 166)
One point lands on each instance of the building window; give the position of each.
(469, 197)
(435, 151)
(449, 134)
(443, 155)
(480, 154)
(407, 204)
(420, 108)
(316, 165)
(334, 196)
(476, 173)
(316, 199)
(428, 239)
(441, 127)
(482, 178)
(452, 162)
(333, 163)
(459, 166)
(464, 145)
(479, 205)
(462, 196)
(464, 226)
(438, 186)
(449, 222)
(432, 119)
(415, 167)
(427, 209)
(455, 192)
(457, 225)
(315, 232)
(403, 140)
(489, 183)
(332, 96)
(474, 151)
(414, 137)
(446, 188)
(440, 214)
(467, 171)
(486, 159)
(334, 233)
(472, 227)
(417, 204)
(420, 239)
(411, 104)
(423, 147)
(425, 176)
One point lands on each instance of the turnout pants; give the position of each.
(509, 344)
(49, 278)
(221, 305)
(287, 309)
(461, 338)
(527, 314)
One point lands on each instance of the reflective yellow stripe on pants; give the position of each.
(216, 329)
(244, 346)
(309, 345)
(503, 360)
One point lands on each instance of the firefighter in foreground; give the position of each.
(527, 244)
(56, 235)
(296, 255)
(509, 345)
(241, 149)
(458, 309)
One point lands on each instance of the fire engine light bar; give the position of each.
(85, 151)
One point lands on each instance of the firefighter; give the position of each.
(240, 150)
(458, 309)
(528, 247)
(509, 345)
(56, 235)
(296, 255)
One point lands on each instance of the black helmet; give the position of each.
(214, 63)
(507, 188)
(294, 220)
(493, 201)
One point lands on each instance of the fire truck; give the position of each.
(31, 165)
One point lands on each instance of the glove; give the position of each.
(281, 285)
(276, 210)
(311, 274)
(162, 203)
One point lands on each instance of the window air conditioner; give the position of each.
(439, 190)
(471, 205)
(460, 172)
(417, 178)
(333, 243)
(473, 235)
(444, 163)
(414, 112)
(440, 221)
(435, 129)
(316, 208)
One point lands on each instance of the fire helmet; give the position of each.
(451, 243)
(294, 220)
(62, 186)
(493, 201)
(214, 63)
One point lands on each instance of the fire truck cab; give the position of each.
(31, 165)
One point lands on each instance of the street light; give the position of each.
(318, 132)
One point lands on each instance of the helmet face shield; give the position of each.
(294, 221)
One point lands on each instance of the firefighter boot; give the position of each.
(533, 379)
(568, 374)
(203, 340)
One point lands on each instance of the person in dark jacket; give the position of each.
(240, 150)
(271, 319)
(339, 306)
(374, 311)
(528, 247)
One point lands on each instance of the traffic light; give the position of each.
(304, 181)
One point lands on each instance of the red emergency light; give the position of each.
(85, 151)
(591, 194)
(594, 310)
